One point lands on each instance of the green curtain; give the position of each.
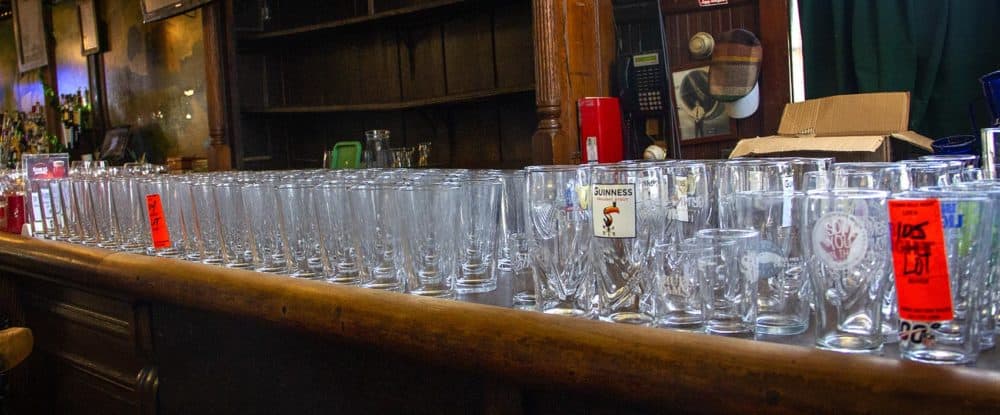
(936, 49)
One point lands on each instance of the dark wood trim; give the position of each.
(215, 40)
(394, 106)
(775, 77)
(686, 6)
(637, 366)
(370, 17)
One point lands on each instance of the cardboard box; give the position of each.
(859, 127)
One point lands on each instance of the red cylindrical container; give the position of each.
(600, 130)
(15, 212)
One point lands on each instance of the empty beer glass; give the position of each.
(335, 219)
(299, 229)
(129, 206)
(782, 302)
(260, 202)
(628, 217)
(512, 258)
(730, 285)
(233, 225)
(431, 248)
(679, 281)
(845, 244)
(163, 217)
(376, 235)
(478, 223)
(561, 230)
(940, 306)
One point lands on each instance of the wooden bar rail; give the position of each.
(646, 370)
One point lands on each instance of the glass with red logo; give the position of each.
(845, 241)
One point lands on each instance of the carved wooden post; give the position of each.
(549, 54)
(574, 49)
(219, 157)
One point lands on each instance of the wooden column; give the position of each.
(574, 51)
(215, 38)
(775, 76)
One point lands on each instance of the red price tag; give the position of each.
(157, 222)
(919, 259)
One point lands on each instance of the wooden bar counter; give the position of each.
(121, 333)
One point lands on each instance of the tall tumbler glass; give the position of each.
(376, 238)
(430, 246)
(730, 285)
(629, 216)
(514, 245)
(129, 205)
(163, 217)
(84, 207)
(940, 306)
(559, 202)
(304, 256)
(478, 223)
(100, 198)
(59, 206)
(260, 202)
(182, 199)
(233, 227)
(70, 210)
(206, 220)
(782, 302)
(844, 241)
(333, 210)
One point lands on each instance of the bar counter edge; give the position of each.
(650, 369)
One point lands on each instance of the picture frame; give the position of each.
(155, 10)
(90, 40)
(29, 34)
(115, 143)
(700, 118)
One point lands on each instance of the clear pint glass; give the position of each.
(730, 285)
(629, 216)
(782, 302)
(233, 226)
(335, 221)
(940, 312)
(377, 238)
(845, 242)
(561, 230)
(300, 230)
(431, 245)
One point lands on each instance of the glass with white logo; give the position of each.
(967, 225)
(628, 216)
(730, 280)
(782, 302)
(846, 249)
(559, 217)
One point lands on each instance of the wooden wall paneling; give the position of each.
(475, 137)
(775, 73)
(430, 124)
(295, 13)
(275, 92)
(512, 36)
(421, 61)
(468, 51)
(251, 77)
(306, 140)
(301, 77)
(378, 66)
(517, 124)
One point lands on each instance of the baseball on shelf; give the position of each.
(654, 152)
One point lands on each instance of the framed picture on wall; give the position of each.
(29, 35)
(88, 27)
(698, 114)
(153, 10)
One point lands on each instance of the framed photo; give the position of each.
(89, 36)
(29, 35)
(698, 114)
(115, 142)
(153, 10)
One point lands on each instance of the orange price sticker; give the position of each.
(919, 259)
(157, 222)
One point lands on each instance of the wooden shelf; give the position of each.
(349, 21)
(394, 106)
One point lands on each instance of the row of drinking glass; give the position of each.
(427, 232)
(639, 243)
